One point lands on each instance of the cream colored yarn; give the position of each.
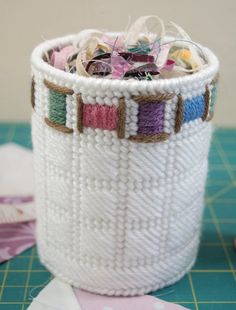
(117, 217)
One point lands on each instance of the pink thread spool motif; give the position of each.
(100, 116)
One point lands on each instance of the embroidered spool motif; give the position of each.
(100, 116)
(151, 115)
(57, 106)
(193, 108)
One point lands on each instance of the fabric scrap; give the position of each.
(56, 295)
(16, 184)
(119, 66)
(15, 238)
(59, 58)
(89, 301)
(60, 295)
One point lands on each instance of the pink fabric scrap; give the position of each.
(100, 116)
(119, 66)
(89, 301)
(16, 238)
(169, 65)
(59, 58)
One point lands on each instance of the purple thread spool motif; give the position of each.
(151, 118)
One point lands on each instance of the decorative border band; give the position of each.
(150, 139)
(207, 103)
(179, 114)
(121, 118)
(158, 97)
(32, 93)
(58, 127)
(80, 104)
(156, 117)
(57, 88)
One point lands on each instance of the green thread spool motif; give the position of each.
(57, 107)
(213, 98)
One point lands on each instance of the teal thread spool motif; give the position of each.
(213, 99)
(57, 107)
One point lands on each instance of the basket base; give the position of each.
(162, 274)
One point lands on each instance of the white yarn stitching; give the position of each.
(70, 111)
(131, 121)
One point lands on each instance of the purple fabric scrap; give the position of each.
(15, 199)
(16, 238)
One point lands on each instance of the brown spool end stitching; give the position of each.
(32, 92)
(179, 114)
(58, 127)
(213, 82)
(158, 97)
(80, 105)
(57, 88)
(121, 119)
(207, 103)
(150, 139)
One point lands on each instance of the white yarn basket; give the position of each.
(117, 216)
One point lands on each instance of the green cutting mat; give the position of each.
(212, 282)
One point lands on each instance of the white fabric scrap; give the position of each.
(16, 179)
(57, 295)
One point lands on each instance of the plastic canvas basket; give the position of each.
(119, 206)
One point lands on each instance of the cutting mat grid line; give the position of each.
(211, 284)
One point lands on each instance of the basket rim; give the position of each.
(72, 80)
